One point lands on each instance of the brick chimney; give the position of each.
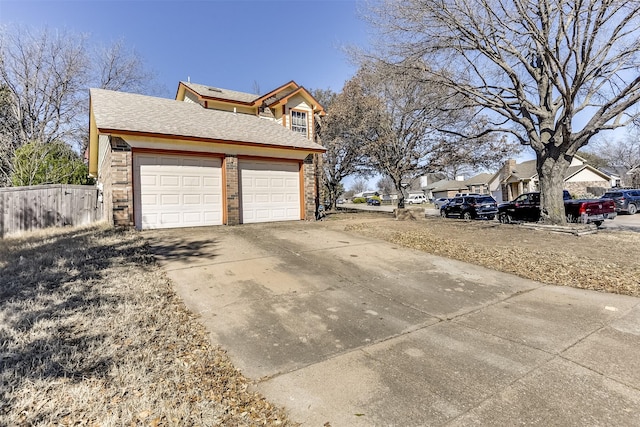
(509, 166)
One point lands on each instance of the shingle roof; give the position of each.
(446, 184)
(219, 93)
(481, 178)
(119, 111)
(525, 170)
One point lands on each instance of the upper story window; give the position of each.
(299, 122)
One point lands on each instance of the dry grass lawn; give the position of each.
(91, 333)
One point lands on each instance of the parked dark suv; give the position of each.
(471, 207)
(626, 200)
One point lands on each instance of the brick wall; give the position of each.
(309, 174)
(587, 188)
(121, 177)
(233, 188)
(104, 178)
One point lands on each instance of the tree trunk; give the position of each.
(397, 183)
(551, 172)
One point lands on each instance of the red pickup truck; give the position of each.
(526, 207)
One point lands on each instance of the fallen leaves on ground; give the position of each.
(605, 261)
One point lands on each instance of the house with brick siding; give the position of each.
(210, 156)
(513, 179)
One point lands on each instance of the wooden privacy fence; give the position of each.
(41, 206)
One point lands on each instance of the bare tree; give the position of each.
(44, 81)
(46, 77)
(554, 73)
(8, 142)
(342, 131)
(359, 185)
(385, 185)
(405, 139)
(120, 68)
(620, 156)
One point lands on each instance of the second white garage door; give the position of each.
(177, 190)
(269, 191)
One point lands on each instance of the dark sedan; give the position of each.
(471, 207)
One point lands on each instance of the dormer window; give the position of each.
(299, 122)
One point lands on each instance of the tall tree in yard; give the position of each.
(342, 131)
(45, 74)
(553, 73)
(410, 129)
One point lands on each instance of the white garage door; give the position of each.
(269, 191)
(177, 191)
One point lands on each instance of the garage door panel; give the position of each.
(168, 180)
(211, 182)
(270, 191)
(170, 218)
(191, 181)
(149, 199)
(261, 198)
(192, 217)
(259, 182)
(279, 213)
(213, 217)
(192, 199)
(169, 199)
(149, 180)
(177, 191)
(211, 199)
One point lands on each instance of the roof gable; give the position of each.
(291, 86)
(205, 92)
(525, 170)
(273, 98)
(574, 170)
(302, 92)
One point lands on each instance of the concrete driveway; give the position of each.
(350, 331)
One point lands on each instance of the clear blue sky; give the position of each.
(229, 44)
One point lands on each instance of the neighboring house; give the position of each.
(634, 176)
(479, 183)
(211, 156)
(446, 188)
(366, 194)
(427, 180)
(616, 179)
(514, 179)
